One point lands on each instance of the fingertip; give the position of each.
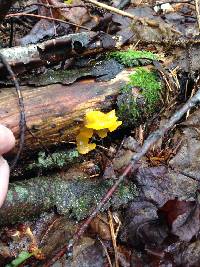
(7, 139)
(4, 179)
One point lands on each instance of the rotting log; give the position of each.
(24, 58)
(54, 112)
(73, 194)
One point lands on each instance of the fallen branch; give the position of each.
(54, 112)
(72, 194)
(24, 58)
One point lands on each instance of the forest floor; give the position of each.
(102, 98)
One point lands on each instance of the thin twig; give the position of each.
(113, 235)
(113, 9)
(22, 121)
(153, 138)
(106, 251)
(45, 17)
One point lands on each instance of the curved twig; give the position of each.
(22, 121)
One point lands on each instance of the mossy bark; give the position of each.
(72, 194)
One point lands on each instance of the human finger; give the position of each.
(4, 179)
(7, 139)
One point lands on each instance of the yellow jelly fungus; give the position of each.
(98, 120)
(85, 133)
(84, 147)
(82, 141)
(101, 123)
(102, 133)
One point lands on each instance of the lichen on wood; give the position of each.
(71, 197)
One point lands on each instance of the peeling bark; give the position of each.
(24, 58)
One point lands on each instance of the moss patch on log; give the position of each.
(140, 97)
(131, 58)
(72, 198)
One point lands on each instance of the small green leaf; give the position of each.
(24, 255)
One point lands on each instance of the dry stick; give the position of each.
(106, 251)
(197, 12)
(124, 13)
(153, 138)
(22, 120)
(113, 236)
(113, 9)
(44, 17)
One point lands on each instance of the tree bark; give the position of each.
(32, 56)
(54, 112)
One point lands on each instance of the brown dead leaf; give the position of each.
(183, 218)
(100, 226)
(77, 15)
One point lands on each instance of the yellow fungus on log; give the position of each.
(98, 120)
(82, 141)
(101, 123)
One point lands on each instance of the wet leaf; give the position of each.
(183, 218)
(142, 225)
(144, 221)
(87, 253)
(100, 227)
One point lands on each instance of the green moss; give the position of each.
(140, 97)
(80, 207)
(132, 58)
(81, 196)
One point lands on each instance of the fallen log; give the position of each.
(54, 113)
(24, 58)
(73, 194)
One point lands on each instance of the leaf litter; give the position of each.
(160, 227)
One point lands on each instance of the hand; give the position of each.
(7, 142)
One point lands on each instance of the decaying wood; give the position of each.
(73, 194)
(54, 112)
(23, 58)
